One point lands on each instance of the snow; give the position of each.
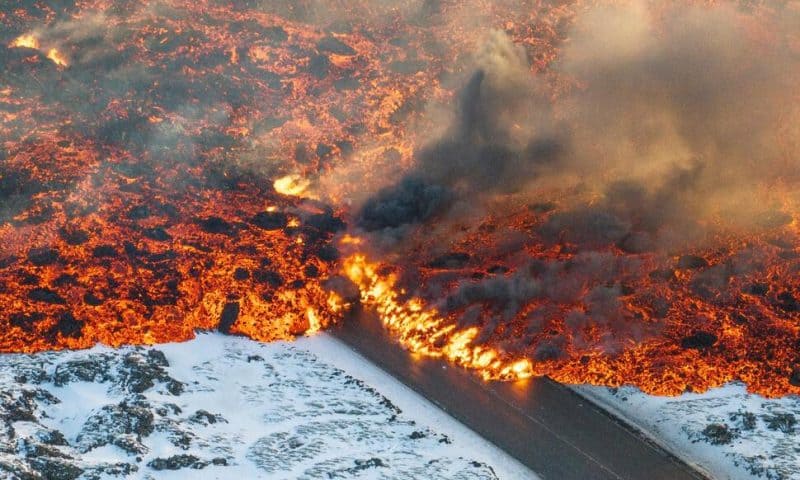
(228, 407)
(726, 432)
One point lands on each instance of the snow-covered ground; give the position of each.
(727, 432)
(227, 407)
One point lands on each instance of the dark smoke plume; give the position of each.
(679, 116)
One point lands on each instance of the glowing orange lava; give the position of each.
(424, 331)
(198, 165)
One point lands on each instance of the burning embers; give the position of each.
(111, 255)
(30, 41)
(617, 208)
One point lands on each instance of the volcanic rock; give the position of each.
(176, 462)
(311, 271)
(270, 220)
(408, 67)
(90, 298)
(794, 378)
(74, 236)
(230, 313)
(123, 425)
(26, 321)
(760, 289)
(788, 302)
(104, 251)
(53, 469)
(718, 434)
(451, 260)
(269, 277)
(45, 295)
(206, 418)
(139, 212)
(67, 325)
(93, 370)
(326, 222)
(335, 46)
(319, 65)
(747, 420)
(699, 341)
(43, 256)
(241, 274)
(157, 233)
(337, 410)
(216, 225)
(692, 262)
(346, 83)
(784, 422)
(498, 269)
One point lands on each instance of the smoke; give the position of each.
(677, 117)
(669, 127)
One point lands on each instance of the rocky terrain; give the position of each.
(222, 407)
(730, 433)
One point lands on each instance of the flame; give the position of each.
(424, 331)
(149, 244)
(57, 57)
(293, 185)
(26, 41)
(30, 41)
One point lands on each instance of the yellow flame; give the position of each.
(57, 57)
(348, 239)
(424, 331)
(293, 185)
(314, 325)
(26, 41)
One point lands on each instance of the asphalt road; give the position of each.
(549, 428)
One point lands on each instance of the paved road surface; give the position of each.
(555, 432)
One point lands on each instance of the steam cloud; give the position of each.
(678, 116)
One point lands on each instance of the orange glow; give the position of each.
(175, 189)
(26, 41)
(57, 58)
(423, 331)
(293, 185)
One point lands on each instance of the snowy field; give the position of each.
(223, 407)
(726, 432)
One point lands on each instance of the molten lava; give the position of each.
(172, 166)
(425, 331)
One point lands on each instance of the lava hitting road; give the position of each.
(523, 188)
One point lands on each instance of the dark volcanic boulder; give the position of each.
(335, 46)
(45, 295)
(270, 220)
(43, 256)
(692, 262)
(794, 378)
(450, 260)
(699, 341)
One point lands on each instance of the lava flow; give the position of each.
(600, 192)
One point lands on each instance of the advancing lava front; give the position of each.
(601, 194)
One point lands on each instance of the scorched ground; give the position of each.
(173, 166)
